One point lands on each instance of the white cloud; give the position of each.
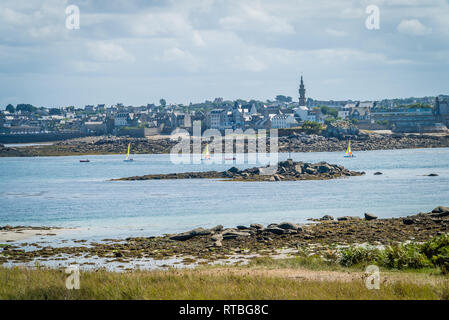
(109, 52)
(252, 17)
(413, 27)
(336, 33)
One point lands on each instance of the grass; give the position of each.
(249, 282)
(411, 271)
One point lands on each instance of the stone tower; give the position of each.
(302, 93)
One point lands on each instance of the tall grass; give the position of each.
(21, 283)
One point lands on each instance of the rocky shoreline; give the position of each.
(288, 170)
(212, 244)
(293, 143)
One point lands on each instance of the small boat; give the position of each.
(206, 154)
(349, 152)
(86, 160)
(230, 158)
(128, 159)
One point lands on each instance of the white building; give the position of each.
(121, 119)
(283, 121)
(302, 112)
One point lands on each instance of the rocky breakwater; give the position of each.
(288, 170)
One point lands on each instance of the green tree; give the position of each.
(163, 102)
(10, 108)
(311, 127)
(282, 98)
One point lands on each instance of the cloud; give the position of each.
(109, 52)
(413, 27)
(253, 17)
(336, 33)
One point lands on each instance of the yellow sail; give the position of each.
(348, 151)
(129, 148)
(206, 153)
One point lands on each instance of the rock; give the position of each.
(218, 244)
(257, 226)
(440, 209)
(347, 218)
(433, 175)
(377, 173)
(217, 228)
(190, 234)
(310, 170)
(277, 177)
(232, 234)
(234, 170)
(242, 228)
(408, 221)
(217, 237)
(288, 225)
(323, 168)
(275, 230)
(326, 218)
(370, 216)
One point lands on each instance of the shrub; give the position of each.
(358, 255)
(437, 251)
(407, 256)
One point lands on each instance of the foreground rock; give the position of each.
(286, 171)
(219, 243)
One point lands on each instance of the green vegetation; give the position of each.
(263, 279)
(433, 253)
(311, 127)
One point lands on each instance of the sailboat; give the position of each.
(206, 154)
(349, 152)
(127, 154)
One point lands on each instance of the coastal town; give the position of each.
(27, 123)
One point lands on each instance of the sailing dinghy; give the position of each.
(128, 159)
(206, 153)
(349, 152)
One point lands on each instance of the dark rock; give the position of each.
(377, 173)
(370, 216)
(326, 218)
(440, 209)
(288, 225)
(234, 170)
(347, 218)
(408, 221)
(275, 230)
(190, 234)
(433, 175)
(242, 228)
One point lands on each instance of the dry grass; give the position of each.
(218, 283)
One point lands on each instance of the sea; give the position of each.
(62, 192)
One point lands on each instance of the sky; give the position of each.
(139, 51)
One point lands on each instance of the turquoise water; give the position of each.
(61, 191)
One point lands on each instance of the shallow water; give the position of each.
(61, 191)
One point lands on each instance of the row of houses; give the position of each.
(121, 120)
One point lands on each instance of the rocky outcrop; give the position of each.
(286, 171)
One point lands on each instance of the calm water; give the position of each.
(61, 191)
